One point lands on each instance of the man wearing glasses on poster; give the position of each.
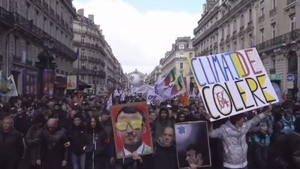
(131, 127)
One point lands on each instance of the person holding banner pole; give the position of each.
(233, 136)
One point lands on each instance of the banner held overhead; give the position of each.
(232, 83)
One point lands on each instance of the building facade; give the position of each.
(272, 26)
(29, 27)
(89, 42)
(177, 58)
(96, 65)
(153, 77)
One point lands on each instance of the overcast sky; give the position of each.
(141, 31)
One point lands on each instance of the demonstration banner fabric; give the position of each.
(232, 83)
(132, 131)
(171, 85)
(8, 86)
(192, 145)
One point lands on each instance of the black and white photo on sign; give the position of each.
(192, 145)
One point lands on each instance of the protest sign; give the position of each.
(232, 83)
(132, 131)
(71, 82)
(192, 145)
(8, 86)
(153, 98)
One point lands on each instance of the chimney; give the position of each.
(91, 17)
(80, 12)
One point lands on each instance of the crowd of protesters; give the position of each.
(75, 132)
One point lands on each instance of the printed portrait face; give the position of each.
(132, 131)
(130, 126)
(194, 158)
(192, 144)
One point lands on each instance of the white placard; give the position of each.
(232, 83)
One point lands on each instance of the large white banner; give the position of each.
(153, 98)
(232, 83)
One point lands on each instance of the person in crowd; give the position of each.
(96, 150)
(166, 150)
(78, 140)
(22, 121)
(233, 136)
(33, 142)
(106, 123)
(152, 119)
(11, 145)
(181, 117)
(60, 114)
(131, 127)
(262, 140)
(285, 152)
(162, 122)
(54, 146)
(287, 122)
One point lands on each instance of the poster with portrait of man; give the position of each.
(192, 145)
(132, 131)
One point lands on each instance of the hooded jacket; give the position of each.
(234, 141)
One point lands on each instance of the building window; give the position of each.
(262, 11)
(27, 10)
(36, 17)
(262, 36)
(181, 46)
(242, 43)
(274, 4)
(45, 24)
(293, 23)
(222, 32)
(234, 24)
(250, 14)
(273, 62)
(273, 30)
(181, 65)
(250, 40)
(228, 29)
(242, 20)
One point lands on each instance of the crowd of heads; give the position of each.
(92, 113)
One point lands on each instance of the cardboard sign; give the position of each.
(232, 83)
(71, 82)
(132, 131)
(192, 145)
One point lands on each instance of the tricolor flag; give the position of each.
(171, 85)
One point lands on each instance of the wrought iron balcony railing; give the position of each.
(278, 41)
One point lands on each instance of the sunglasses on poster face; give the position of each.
(134, 124)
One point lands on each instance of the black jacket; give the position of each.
(53, 149)
(11, 148)
(165, 157)
(78, 138)
(33, 142)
